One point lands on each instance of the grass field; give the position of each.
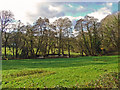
(66, 72)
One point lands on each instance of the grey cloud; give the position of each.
(43, 11)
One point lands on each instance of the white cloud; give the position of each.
(70, 17)
(109, 4)
(20, 8)
(70, 5)
(80, 8)
(73, 18)
(31, 10)
(48, 10)
(53, 8)
(53, 19)
(101, 13)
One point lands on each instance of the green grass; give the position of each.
(66, 72)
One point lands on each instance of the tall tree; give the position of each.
(109, 31)
(17, 37)
(41, 29)
(62, 24)
(6, 17)
(80, 27)
(68, 31)
(88, 35)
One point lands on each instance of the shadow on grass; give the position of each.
(56, 63)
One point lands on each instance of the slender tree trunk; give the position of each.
(37, 51)
(0, 45)
(45, 48)
(32, 49)
(13, 49)
(68, 47)
(90, 37)
(69, 50)
(52, 51)
(16, 51)
(59, 51)
(82, 53)
(5, 50)
(86, 53)
(5, 45)
(118, 44)
(38, 46)
(57, 45)
(62, 50)
(48, 49)
(54, 48)
(48, 41)
(86, 44)
(82, 49)
(1, 58)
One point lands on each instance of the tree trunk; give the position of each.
(45, 48)
(0, 45)
(37, 51)
(85, 41)
(59, 51)
(38, 47)
(82, 53)
(5, 50)
(5, 45)
(48, 49)
(62, 50)
(16, 51)
(32, 49)
(68, 48)
(54, 49)
(13, 49)
(90, 37)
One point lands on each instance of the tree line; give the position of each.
(44, 38)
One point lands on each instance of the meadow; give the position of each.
(50, 73)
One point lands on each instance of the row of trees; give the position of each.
(44, 38)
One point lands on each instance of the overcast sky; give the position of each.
(30, 10)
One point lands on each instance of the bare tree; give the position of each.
(62, 25)
(80, 27)
(68, 31)
(0, 45)
(6, 17)
(41, 29)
